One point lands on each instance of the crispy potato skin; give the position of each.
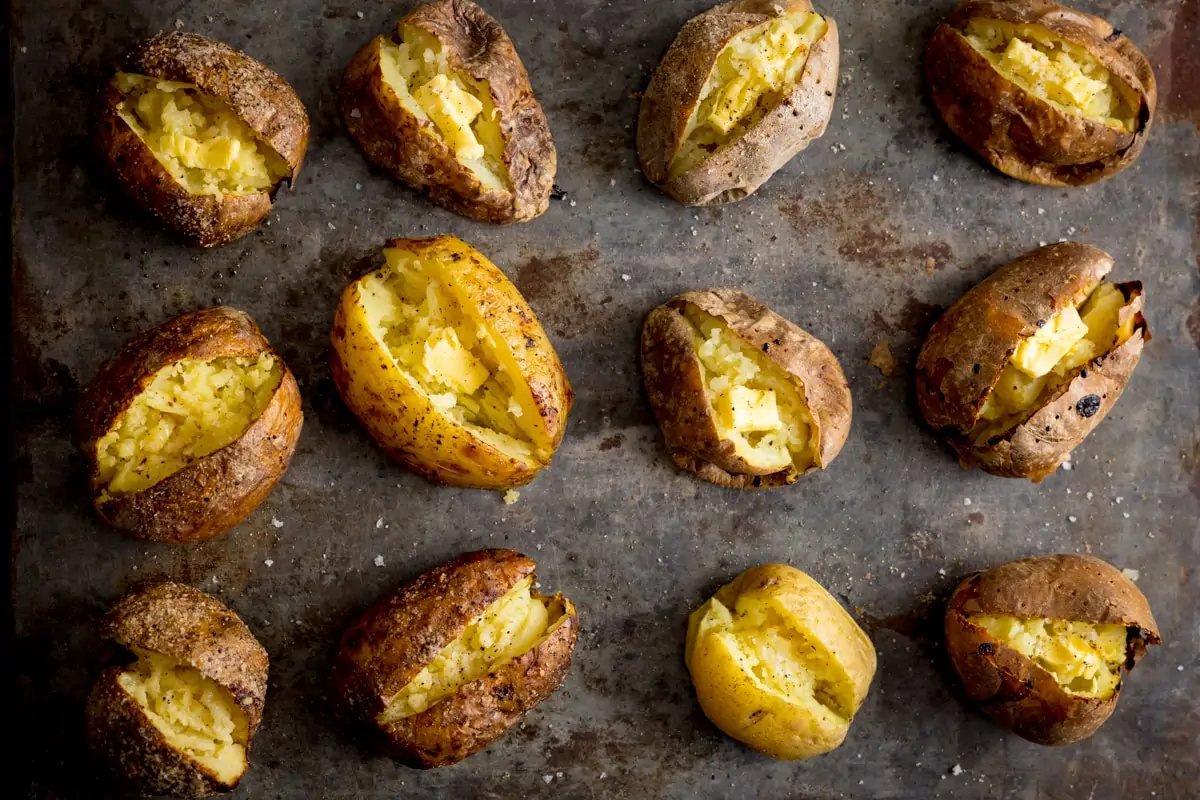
(397, 637)
(410, 150)
(194, 629)
(739, 168)
(260, 97)
(675, 386)
(1012, 689)
(1022, 135)
(216, 492)
(968, 347)
(403, 421)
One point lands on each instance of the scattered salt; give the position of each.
(966, 501)
(269, 563)
(379, 561)
(277, 522)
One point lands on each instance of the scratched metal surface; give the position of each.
(863, 238)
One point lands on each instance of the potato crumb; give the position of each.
(881, 358)
(511, 496)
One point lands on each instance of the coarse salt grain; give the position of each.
(379, 561)
(966, 501)
(1132, 574)
(277, 522)
(269, 563)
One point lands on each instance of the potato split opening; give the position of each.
(515, 624)
(190, 409)
(1085, 658)
(1055, 70)
(205, 146)
(757, 405)
(195, 714)
(458, 107)
(753, 72)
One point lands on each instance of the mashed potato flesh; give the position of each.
(194, 713)
(459, 107)
(197, 138)
(1085, 658)
(751, 74)
(191, 409)
(512, 625)
(1062, 73)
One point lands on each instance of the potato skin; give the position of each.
(1012, 689)
(970, 344)
(675, 386)
(738, 169)
(1018, 133)
(257, 95)
(402, 633)
(214, 493)
(408, 148)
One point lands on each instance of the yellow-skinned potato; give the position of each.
(778, 664)
(447, 367)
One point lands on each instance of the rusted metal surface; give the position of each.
(861, 239)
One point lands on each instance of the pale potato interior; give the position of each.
(190, 409)
(458, 107)
(1055, 70)
(752, 73)
(509, 627)
(1085, 658)
(207, 148)
(756, 405)
(445, 349)
(195, 714)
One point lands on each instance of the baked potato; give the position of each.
(179, 717)
(778, 664)
(189, 427)
(1044, 93)
(200, 135)
(444, 105)
(744, 87)
(447, 367)
(745, 398)
(1040, 643)
(1027, 363)
(447, 663)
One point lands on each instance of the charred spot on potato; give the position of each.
(1088, 405)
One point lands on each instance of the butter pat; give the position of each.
(743, 409)
(451, 364)
(452, 110)
(1038, 354)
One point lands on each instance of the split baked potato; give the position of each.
(200, 135)
(745, 398)
(450, 661)
(1044, 93)
(744, 87)
(444, 105)
(447, 367)
(178, 718)
(189, 427)
(1027, 363)
(778, 664)
(1040, 643)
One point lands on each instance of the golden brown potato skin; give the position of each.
(1010, 688)
(408, 148)
(675, 386)
(214, 493)
(398, 636)
(738, 169)
(260, 97)
(970, 344)
(1022, 135)
(194, 629)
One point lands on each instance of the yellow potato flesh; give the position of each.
(1055, 70)
(191, 409)
(1085, 658)
(752, 72)
(195, 714)
(207, 148)
(512, 625)
(459, 107)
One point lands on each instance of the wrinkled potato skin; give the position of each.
(737, 170)
(675, 386)
(260, 97)
(1022, 135)
(1010, 688)
(408, 148)
(214, 493)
